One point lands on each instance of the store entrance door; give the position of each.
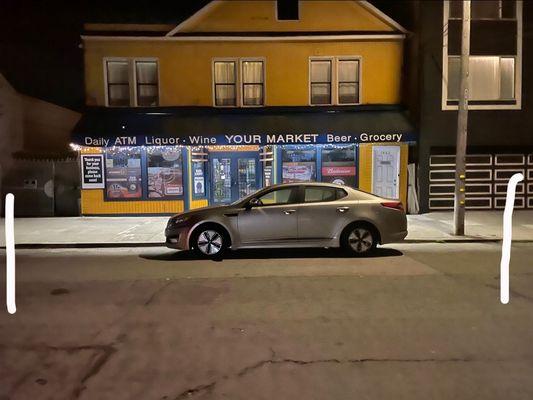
(386, 171)
(233, 176)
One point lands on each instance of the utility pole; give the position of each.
(462, 125)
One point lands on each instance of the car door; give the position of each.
(274, 219)
(322, 213)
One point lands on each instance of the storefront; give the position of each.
(167, 160)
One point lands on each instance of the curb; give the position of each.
(155, 244)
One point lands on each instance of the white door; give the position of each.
(386, 171)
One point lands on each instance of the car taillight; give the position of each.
(397, 205)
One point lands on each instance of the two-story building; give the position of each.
(242, 95)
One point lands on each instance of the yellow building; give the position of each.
(242, 95)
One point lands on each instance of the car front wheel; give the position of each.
(359, 240)
(209, 242)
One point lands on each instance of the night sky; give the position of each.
(39, 40)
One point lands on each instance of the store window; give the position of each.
(147, 83)
(338, 165)
(321, 82)
(299, 165)
(252, 83)
(165, 172)
(123, 174)
(118, 83)
(225, 81)
(491, 78)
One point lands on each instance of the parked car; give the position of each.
(291, 215)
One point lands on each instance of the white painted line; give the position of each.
(508, 236)
(10, 253)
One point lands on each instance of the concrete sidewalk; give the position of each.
(132, 231)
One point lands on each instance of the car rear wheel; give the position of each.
(359, 240)
(209, 242)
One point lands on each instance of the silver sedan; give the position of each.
(291, 215)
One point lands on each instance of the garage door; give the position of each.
(486, 180)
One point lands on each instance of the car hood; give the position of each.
(200, 211)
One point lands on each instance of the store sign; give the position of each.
(92, 171)
(338, 171)
(232, 140)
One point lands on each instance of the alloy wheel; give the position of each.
(360, 240)
(209, 242)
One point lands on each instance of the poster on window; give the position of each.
(339, 174)
(199, 180)
(123, 176)
(92, 166)
(298, 172)
(165, 177)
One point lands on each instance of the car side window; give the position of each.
(314, 194)
(277, 196)
(341, 193)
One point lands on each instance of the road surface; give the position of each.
(418, 321)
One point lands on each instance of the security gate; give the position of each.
(486, 180)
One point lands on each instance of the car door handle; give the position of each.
(342, 209)
(288, 212)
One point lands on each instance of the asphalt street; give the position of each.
(416, 321)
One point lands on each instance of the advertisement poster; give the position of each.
(123, 175)
(165, 176)
(199, 180)
(298, 172)
(92, 166)
(339, 174)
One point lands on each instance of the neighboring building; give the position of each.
(500, 120)
(34, 133)
(241, 95)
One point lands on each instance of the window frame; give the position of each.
(214, 84)
(335, 79)
(500, 12)
(239, 84)
(132, 79)
(241, 81)
(447, 104)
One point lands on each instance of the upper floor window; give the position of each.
(321, 81)
(287, 10)
(250, 81)
(118, 83)
(334, 81)
(491, 78)
(225, 83)
(132, 83)
(147, 83)
(485, 9)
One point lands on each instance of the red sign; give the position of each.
(338, 171)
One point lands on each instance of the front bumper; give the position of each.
(177, 238)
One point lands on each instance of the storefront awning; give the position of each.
(107, 127)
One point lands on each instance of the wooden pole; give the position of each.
(462, 125)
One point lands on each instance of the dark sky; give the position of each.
(39, 40)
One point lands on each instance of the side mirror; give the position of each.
(254, 203)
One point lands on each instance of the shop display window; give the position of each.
(299, 164)
(165, 172)
(338, 165)
(123, 174)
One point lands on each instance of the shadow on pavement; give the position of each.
(270, 254)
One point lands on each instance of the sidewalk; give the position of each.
(148, 231)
